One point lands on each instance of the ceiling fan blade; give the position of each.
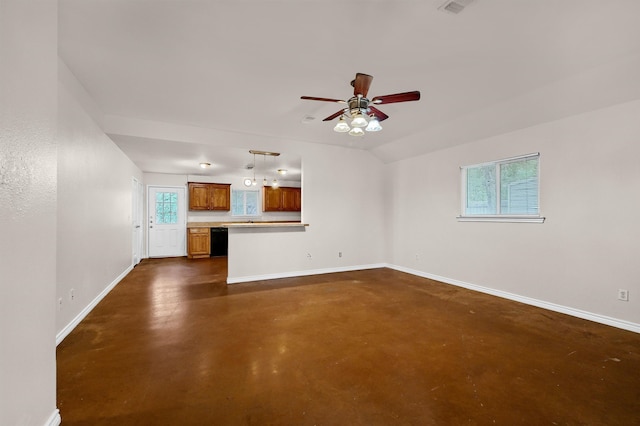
(396, 97)
(313, 98)
(361, 84)
(381, 116)
(332, 116)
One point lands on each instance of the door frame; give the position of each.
(137, 220)
(183, 210)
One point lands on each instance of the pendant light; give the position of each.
(254, 182)
(274, 183)
(264, 171)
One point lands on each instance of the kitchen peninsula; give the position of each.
(199, 233)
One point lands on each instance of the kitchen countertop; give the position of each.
(275, 224)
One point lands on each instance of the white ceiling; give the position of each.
(240, 66)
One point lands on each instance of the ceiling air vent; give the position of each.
(455, 6)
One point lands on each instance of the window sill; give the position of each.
(507, 219)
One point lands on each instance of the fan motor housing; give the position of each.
(358, 104)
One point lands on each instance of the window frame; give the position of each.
(173, 214)
(526, 218)
(244, 202)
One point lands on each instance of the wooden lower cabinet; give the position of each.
(198, 242)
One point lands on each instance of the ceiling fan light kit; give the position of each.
(359, 120)
(342, 126)
(374, 125)
(360, 109)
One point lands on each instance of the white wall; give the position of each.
(94, 246)
(343, 204)
(590, 194)
(28, 51)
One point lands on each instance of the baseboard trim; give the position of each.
(602, 319)
(236, 280)
(54, 419)
(73, 324)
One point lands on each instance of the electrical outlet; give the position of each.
(309, 256)
(60, 304)
(339, 254)
(623, 295)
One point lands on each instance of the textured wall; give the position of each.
(28, 85)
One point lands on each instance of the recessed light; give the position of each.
(205, 165)
(282, 171)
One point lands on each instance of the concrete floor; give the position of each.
(172, 344)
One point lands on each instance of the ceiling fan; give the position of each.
(361, 110)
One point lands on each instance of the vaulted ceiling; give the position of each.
(240, 66)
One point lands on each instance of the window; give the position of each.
(245, 203)
(166, 207)
(504, 190)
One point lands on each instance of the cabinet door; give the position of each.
(199, 242)
(271, 199)
(298, 199)
(291, 199)
(220, 196)
(198, 196)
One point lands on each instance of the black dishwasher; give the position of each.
(219, 240)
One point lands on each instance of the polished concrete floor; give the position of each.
(172, 344)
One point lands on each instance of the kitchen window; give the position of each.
(502, 191)
(245, 203)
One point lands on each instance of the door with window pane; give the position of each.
(166, 224)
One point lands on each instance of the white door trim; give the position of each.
(137, 220)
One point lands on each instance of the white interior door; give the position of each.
(167, 221)
(137, 195)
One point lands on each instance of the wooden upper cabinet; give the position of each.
(198, 196)
(281, 199)
(291, 199)
(271, 199)
(209, 196)
(220, 196)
